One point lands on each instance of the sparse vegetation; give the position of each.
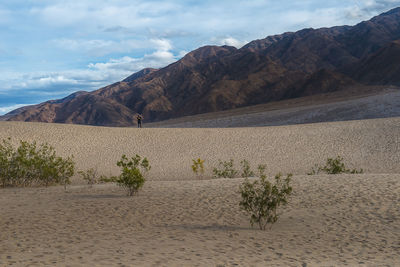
(198, 166)
(90, 176)
(226, 171)
(132, 177)
(30, 164)
(333, 166)
(108, 179)
(262, 198)
(314, 170)
(246, 169)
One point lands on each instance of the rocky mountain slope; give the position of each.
(213, 78)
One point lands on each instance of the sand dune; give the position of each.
(351, 220)
(369, 144)
(179, 220)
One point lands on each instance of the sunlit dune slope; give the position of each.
(369, 144)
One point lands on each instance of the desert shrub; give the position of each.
(333, 166)
(64, 169)
(51, 168)
(90, 176)
(30, 164)
(107, 179)
(262, 198)
(198, 166)
(6, 166)
(226, 171)
(131, 177)
(246, 169)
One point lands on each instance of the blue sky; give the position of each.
(51, 48)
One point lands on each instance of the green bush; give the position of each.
(198, 166)
(333, 166)
(131, 177)
(108, 179)
(7, 164)
(227, 170)
(262, 198)
(30, 164)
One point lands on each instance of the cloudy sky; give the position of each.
(51, 48)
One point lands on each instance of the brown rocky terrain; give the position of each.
(374, 102)
(382, 67)
(212, 78)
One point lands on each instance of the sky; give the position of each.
(52, 48)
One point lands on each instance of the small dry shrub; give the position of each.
(132, 177)
(226, 171)
(108, 179)
(198, 166)
(90, 176)
(262, 198)
(333, 166)
(246, 169)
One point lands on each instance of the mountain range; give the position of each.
(215, 78)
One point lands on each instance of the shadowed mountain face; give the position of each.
(382, 67)
(214, 78)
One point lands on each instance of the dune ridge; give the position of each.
(369, 144)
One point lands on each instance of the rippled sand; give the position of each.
(180, 220)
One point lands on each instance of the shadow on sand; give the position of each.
(213, 227)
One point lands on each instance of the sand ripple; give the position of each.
(331, 221)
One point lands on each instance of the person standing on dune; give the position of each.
(139, 119)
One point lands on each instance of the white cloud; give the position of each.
(6, 109)
(40, 82)
(82, 79)
(162, 44)
(364, 9)
(127, 65)
(245, 20)
(93, 77)
(104, 47)
(229, 41)
(100, 47)
(132, 14)
(72, 44)
(323, 17)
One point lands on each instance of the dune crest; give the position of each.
(372, 145)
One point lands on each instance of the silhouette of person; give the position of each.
(139, 119)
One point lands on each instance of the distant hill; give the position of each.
(215, 78)
(374, 102)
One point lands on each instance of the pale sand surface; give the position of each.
(177, 220)
(373, 145)
(340, 220)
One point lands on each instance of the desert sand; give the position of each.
(181, 220)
